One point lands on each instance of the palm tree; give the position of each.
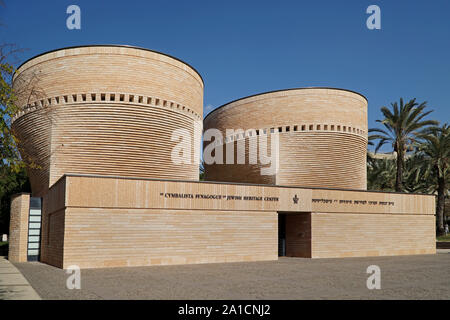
(414, 180)
(435, 149)
(402, 126)
(381, 174)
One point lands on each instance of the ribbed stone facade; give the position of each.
(97, 125)
(322, 137)
(107, 110)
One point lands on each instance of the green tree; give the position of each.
(402, 126)
(381, 174)
(13, 177)
(414, 180)
(8, 149)
(435, 167)
(12, 181)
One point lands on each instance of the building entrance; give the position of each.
(294, 234)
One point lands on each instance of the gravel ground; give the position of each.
(404, 277)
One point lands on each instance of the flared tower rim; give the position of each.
(113, 46)
(282, 90)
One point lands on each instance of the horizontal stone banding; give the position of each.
(106, 110)
(322, 133)
(55, 101)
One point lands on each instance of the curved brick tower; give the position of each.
(322, 137)
(107, 110)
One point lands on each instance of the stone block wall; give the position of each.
(18, 228)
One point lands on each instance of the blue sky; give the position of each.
(247, 47)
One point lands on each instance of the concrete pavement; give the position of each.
(13, 285)
(402, 277)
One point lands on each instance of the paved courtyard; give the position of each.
(13, 286)
(406, 277)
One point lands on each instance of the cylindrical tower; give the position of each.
(322, 137)
(108, 110)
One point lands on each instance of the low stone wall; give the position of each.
(18, 228)
(98, 221)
